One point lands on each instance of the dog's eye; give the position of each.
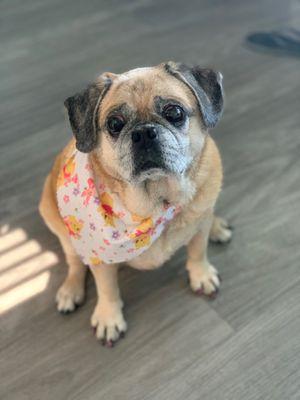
(115, 124)
(174, 114)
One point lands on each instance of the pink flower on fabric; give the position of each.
(102, 187)
(101, 248)
(75, 178)
(88, 191)
(106, 242)
(130, 250)
(66, 198)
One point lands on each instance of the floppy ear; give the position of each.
(82, 110)
(206, 85)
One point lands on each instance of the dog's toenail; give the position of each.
(213, 284)
(199, 292)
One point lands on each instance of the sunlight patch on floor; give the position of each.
(12, 238)
(24, 291)
(24, 268)
(11, 257)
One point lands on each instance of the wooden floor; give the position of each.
(243, 346)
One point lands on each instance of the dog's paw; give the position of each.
(220, 231)
(70, 295)
(204, 279)
(108, 322)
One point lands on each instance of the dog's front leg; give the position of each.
(204, 278)
(107, 318)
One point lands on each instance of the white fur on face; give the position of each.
(177, 152)
(196, 135)
(174, 153)
(112, 161)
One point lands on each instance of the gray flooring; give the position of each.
(246, 344)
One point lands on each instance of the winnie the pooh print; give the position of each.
(143, 233)
(106, 209)
(73, 225)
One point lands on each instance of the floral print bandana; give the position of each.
(100, 227)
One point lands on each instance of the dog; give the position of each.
(139, 179)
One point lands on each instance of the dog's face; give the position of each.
(148, 122)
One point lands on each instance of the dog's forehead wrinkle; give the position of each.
(131, 86)
(118, 108)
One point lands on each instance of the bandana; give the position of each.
(100, 227)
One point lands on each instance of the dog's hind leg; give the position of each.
(220, 231)
(203, 277)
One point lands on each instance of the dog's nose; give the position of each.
(144, 136)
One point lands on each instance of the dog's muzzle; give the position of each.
(146, 148)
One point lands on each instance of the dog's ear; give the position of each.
(206, 85)
(82, 110)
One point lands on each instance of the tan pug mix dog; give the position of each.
(146, 135)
